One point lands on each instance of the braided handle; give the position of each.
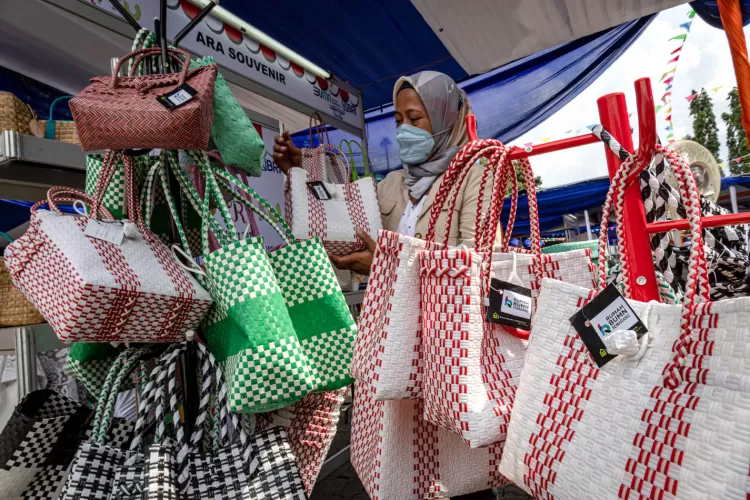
(316, 123)
(319, 155)
(142, 53)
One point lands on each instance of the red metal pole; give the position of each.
(613, 112)
(712, 221)
(551, 147)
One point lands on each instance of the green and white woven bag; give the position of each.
(89, 363)
(248, 329)
(316, 305)
(114, 196)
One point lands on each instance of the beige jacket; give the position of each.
(394, 199)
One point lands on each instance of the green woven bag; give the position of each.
(232, 131)
(248, 328)
(89, 363)
(114, 195)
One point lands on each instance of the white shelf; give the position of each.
(30, 165)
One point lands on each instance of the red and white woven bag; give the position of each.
(399, 455)
(352, 205)
(92, 290)
(388, 347)
(668, 422)
(310, 425)
(471, 367)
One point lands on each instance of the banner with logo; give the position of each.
(235, 51)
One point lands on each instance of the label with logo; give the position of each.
(319, 190)
(598, 319)
(179, 96)
(509, 305)
(111, 232)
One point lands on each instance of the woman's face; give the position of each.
(411, 111)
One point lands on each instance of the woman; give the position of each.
(431, 127)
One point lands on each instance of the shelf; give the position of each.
(30, 165)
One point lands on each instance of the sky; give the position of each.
(705, 63)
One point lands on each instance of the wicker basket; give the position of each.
(15, 114)
(65, 131)
(15, 310)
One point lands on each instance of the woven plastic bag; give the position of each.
(471, 366)
(666, 422)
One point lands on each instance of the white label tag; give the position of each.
(616, 316)
(731, 233)
(516, 305)
(111, 232)
(180, 97)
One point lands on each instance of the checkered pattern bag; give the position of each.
(667, 422)
(114, 195)
(249, 328)
(471, 367)
(310, 425)
(89, 363)
(93, 290)
(353, 205)
(174, 467)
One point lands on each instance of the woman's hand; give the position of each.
(285, 153)
(359, 262)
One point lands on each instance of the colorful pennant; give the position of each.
(691, 97)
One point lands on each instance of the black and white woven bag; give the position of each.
(174, 467)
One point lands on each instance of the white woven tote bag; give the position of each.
(668, 422)
(471, 366)
(93, 288)
(351, 206)
(399, 455)
(388, 347)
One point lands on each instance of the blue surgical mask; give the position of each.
(414, 144)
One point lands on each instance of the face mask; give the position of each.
(414, 144)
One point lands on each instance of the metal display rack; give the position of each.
(30, 165)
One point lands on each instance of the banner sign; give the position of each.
(235, 51)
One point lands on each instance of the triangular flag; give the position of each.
(669, 118)
(528, 144)
(691, 14)
(669, 80)
(656, 108)
(669, 136)
(669, 127)
(664, 97)
(630, 115)
(716, 89)
(721, 164)
(545, 139)
(669, 87)
(686, 26)
(691, 97)
(668, 110)
(676, 50)
(674, 59)
(678, 37)
(737, 160)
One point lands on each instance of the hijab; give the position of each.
(447, 107)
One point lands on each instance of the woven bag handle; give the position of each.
(57, 194)
(123, 366)
(316, 122)
(142, 53)
(366, 167)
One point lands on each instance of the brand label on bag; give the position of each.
(111, 232)
(319, 190)
(598, 319)
(179, 96)
(509, 305)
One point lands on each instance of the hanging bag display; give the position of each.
(173, 110)
(96, 281)
(332, 212)
(666, 417)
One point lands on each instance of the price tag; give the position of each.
(319, 190)
(509, 305)
(607, 313)
(179, 96)
(111, 232)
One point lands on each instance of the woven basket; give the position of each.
(15, 310)
(15, 114)
(65, 131)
